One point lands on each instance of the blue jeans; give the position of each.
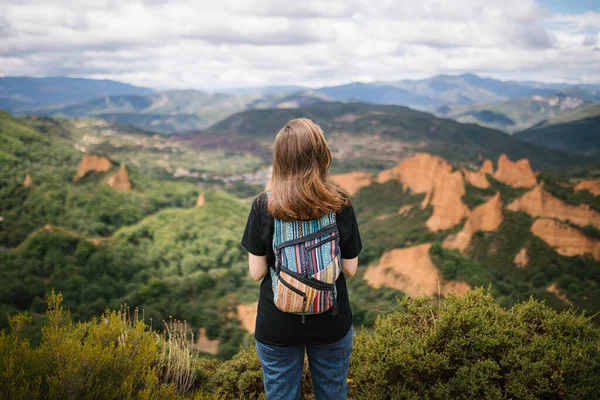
(282, 369)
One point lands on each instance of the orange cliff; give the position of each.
(479, 178)
(246, 313)
(431, 175)
(521, 258)
(565, 240)
(120, 180)
(28, 181)
(411, 271)
(486, 217)
(516, 174)
(91, 162)
(592, 186)
(352, 182)
(200, 201)
(487, 167)
(540, 203)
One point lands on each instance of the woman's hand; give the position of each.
(258, 266)
(349, 266)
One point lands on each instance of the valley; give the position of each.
(109, 214)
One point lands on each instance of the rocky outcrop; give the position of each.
(120, 180)
(246, 313)
(28, 181)
(411, 271)
(352, 182)
(206, 345)
(540, 203)
(486, 217)
(404, 210)
(592, 186)
(516, 174)
(487, 167)
(200, 201)
(564, 239)
(476, 178)
(91, 162)
(554, 289)
(431, 175)
(521, 258)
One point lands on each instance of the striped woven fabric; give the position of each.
(307, 265)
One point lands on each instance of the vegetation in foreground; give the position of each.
(465, 347)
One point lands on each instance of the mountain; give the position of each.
(429, 227)
(23, 94)
(265, 90)
(515, 114)
(376, 93)
(169, 243)
(577, 131)
(177, 111)
(374, 137)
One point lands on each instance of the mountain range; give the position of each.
(506, 105)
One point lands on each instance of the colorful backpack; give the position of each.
(307, 264)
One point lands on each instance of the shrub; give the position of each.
(471, 348)
(112, 357)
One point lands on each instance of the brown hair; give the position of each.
(300, 186)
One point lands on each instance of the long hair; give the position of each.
(300, 185)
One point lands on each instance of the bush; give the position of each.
(471, 348)
(112, 357)
(468, 348)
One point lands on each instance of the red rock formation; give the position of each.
(565, 240)
(352, 182)
(539, 203)
(411, 271)
(516, 174)
(27, 182)
(432, 176)
(206, 345)
(91, 162)
(247, 316)
(404, 210)
(554, 289)
(120, 180)
(486, 217)
(521, 258)
(487, 167)
(200, 201)
(592, 186)
(476, 178)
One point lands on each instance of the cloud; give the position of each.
(211, 45)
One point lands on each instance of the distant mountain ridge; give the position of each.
(577, 131)
(176, 111)
(367, 133)
(516, 114)
(21, 94)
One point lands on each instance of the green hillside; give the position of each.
(177, 111)
(516, 114)
(575, 131)
(489, 257)
(372, 137)
(170, 111)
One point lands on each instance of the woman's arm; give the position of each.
(349, 266)
(258, 266)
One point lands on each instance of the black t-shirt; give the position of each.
(276, 327)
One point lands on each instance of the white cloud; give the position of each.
(228, 43)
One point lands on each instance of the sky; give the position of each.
(213, 45)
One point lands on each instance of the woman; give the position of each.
(300, 191)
